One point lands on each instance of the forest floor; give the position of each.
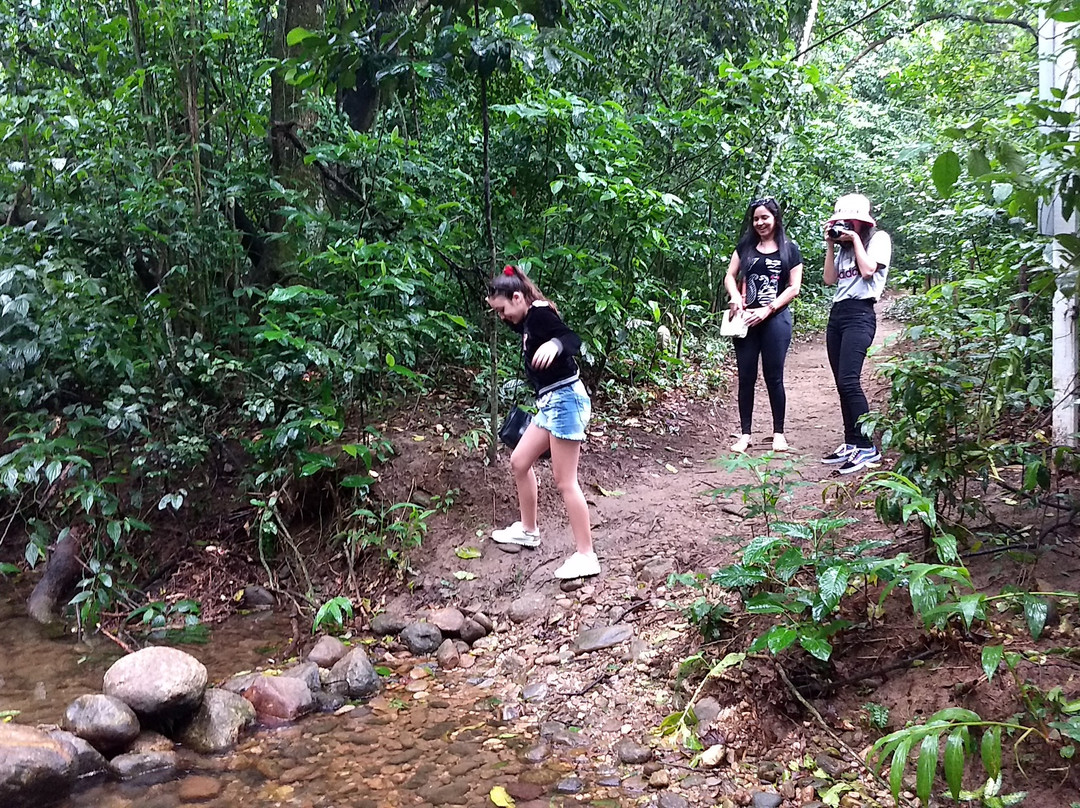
(652, 482)
(662, 504)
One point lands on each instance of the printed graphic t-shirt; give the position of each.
(765, 273)
(850, 285)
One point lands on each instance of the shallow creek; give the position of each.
(440, 740)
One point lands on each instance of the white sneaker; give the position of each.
(516, 534)
(779, 442)
(579, 565)
(741, 444)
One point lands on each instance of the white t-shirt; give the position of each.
(850, 284)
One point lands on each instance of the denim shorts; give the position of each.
(564, 412)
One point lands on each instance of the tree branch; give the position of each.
(877, 43)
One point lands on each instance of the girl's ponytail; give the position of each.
(512, 280)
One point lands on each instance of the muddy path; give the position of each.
(648, 482)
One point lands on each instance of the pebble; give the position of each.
(569, 785)
(763, 799)
(538, 753)
(513, 549)
(527, 607)
(631, 752)
(535, 692)
(595, 639)
(669, 799)
(572, 585)
(448, 656)
(660, 779)
(198, 789)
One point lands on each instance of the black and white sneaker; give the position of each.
(861, 459)
(840, 455)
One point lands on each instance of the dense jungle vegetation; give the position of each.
(235, 234)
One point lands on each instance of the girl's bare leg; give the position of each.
(564, 465)
(532, 444)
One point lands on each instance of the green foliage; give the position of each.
(333, 615)
(680, 725)
(769, 485)
(959, 728)
(877, 714)
(970, 365)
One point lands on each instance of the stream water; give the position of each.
(440, 741)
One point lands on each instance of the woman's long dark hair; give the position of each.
(749, 239)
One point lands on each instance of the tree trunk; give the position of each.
(288, 114)
(62, 571)
(493, 336)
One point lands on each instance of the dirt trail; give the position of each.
(658, 507)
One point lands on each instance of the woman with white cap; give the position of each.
(857, 256)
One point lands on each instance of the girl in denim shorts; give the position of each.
(563, 410)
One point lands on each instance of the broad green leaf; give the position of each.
(945, 172)
(896, 768)
(296, 36)
(954, 761)
(990, 751)
(1035, 611)
(832, 584)
(816, 646)
(969, 607)
(977, 163)
(926, 768)
(991, 658)
(779, 638)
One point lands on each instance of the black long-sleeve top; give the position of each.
(541, 324)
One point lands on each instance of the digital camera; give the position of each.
(839, 228)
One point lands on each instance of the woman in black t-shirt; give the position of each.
(764, 276)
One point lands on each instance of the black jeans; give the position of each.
(851, 329)
(770, 340)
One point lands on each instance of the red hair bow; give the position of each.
(508, 270)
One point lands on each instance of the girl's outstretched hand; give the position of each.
(545, 354)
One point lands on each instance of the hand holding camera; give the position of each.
(841, 230)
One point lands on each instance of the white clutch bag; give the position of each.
(732, 326)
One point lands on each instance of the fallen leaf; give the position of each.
(499, 796)
(671, 468)
(607, 493)
(467, 553)
(418, 438)
(461, 575)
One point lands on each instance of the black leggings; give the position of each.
(851, 329)
(770, 340)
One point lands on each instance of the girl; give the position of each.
(857, 257)
(563, 410)
(763, 277)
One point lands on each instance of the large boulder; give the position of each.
(34, 768)
(160, 684)
(106, 722)
(422, 639)
(151, 766)
(87, 760)
(354, 676)
(449, 620)
(217, 725)
(306, 672)
(327, 651)
(386, 623)
(279, 698)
